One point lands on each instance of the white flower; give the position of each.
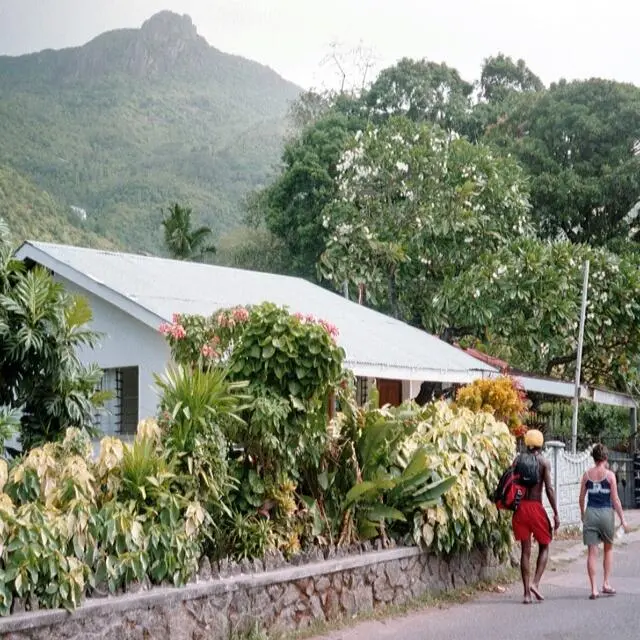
(402, 166)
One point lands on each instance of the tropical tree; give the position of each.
(292, 206)
(181, 240)
(522, 302)
(580, 144)
(415, 206)
(501, 76)
(423, 91)
(41, 329)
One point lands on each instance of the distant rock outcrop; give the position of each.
(138, 118)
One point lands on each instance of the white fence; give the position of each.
(566, 472)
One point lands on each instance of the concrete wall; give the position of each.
(126, 342)
(282, 598)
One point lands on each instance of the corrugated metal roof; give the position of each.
(376, 345)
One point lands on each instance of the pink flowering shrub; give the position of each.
(295, 355)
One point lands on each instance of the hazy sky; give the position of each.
(557, 38)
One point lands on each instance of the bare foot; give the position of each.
(535, 589)
(527, 598)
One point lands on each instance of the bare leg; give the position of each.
(608, 563)
(592, 559)
(541, 565)
(525, 569)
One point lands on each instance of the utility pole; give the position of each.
(576, 397)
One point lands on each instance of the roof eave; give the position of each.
(30, 252)
(417, 374)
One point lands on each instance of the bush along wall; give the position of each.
(244, 465)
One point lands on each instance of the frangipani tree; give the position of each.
(415, 206)
(524, 299)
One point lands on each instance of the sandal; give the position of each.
(609, 591)
(594, 596)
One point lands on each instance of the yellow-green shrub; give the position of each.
(501, 397)
(475, 448)
(69, 523)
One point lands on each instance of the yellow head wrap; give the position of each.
(533, 439)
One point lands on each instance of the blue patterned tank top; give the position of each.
(598, 494)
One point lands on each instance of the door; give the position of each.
(390, 392)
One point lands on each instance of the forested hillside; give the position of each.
(139, 118)
(32, 213)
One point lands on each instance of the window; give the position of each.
(362, 391)
(120, 414)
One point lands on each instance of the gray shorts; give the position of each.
(599, 526)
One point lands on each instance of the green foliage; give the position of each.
(193, 404)
(524, 300)
(476, 449)
(143, 471)
(181, 241)
(32, 214)
(71, 525)
(253, 248)
(137, 118)
(579, 143)
(41, 330)
(438, 231)
(292, 206)
(292, 363)
(414, 208)
(501, 76)
(596, 423)
(367, 487)
(389, 487)
(246, 536)
(421, 91)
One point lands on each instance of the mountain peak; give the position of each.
(167, 25)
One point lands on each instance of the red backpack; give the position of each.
(509, 491)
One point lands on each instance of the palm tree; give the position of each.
(181, 241)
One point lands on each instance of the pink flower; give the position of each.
(310, 318)
(331, 329)
(215, 341)
(240, 314)
(222, 320)
(298, 316)
(176, 319)
(165, 328)
(207, 351)
(178, 332)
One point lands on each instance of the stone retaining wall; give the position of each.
(280, 599)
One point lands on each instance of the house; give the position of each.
(132, 295)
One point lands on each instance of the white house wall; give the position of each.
(125, 342)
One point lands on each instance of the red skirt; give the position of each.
(530, 519)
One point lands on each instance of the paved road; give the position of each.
(566, 614)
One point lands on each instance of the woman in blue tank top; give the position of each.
(598, 520)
